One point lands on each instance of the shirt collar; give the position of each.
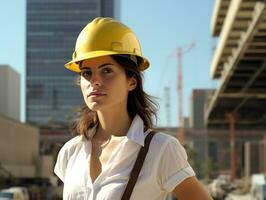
(136, 131)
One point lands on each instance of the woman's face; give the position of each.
(104, 84)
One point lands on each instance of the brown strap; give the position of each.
(137, 166)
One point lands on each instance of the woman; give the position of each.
(114, 123)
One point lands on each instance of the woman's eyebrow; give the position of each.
(105, 64)
(102, 65)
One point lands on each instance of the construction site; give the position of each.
(225, 130)
(224, 134)
(238, 105)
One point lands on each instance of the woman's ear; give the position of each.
(132, 83)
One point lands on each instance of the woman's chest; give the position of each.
(112, 180)
(110, 185)
(99, 158)
(108, 151)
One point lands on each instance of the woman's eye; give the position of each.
(107, 70)
(85, 73)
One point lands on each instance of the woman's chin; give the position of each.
(95, 106)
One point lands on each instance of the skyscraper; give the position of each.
(52, 29)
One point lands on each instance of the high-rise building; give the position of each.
(9, 92)
(52, 29)
(198, 100)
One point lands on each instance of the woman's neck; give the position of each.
(113, 123)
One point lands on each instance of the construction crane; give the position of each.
(179, 55)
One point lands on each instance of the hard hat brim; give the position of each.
(73, 65)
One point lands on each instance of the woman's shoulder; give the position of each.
(165, 143)
(163, 138)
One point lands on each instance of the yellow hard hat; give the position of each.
(105, 36)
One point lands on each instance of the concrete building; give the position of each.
(9, 92)
(19, 151)
(239, 61)
(204, 147)
(198, 100)
(52, 29)
(19, 142)
(19, 148)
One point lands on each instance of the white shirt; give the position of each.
(164, 168)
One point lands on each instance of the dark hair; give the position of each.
(138, 101)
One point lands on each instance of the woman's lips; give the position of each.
(96, 94)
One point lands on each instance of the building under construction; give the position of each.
(239, 62)
(209, 149)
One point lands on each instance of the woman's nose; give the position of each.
(95, 80)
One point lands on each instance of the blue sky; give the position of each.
(161, 26)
